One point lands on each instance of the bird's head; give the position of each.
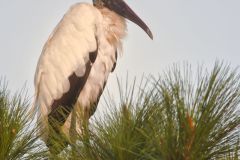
(121, 8)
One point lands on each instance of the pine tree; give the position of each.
(18, 140)
(182, 115)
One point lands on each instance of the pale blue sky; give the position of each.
(197, 31)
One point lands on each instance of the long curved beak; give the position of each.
(120, 7)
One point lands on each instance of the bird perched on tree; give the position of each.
(76, 61)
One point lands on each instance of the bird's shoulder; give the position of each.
(84, 9)
(82, 5)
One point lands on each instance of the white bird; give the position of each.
(77, 59)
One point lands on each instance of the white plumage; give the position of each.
(84, 29)
(77, 60)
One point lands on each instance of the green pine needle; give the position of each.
(182, 115)
(18, 138)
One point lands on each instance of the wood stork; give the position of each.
(77, 59)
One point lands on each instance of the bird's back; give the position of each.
(76, 60)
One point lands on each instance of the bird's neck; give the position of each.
(114, 27)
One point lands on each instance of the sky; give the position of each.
(196, 31)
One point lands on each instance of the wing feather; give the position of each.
(66, 52)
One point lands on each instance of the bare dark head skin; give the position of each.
(121, 8)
